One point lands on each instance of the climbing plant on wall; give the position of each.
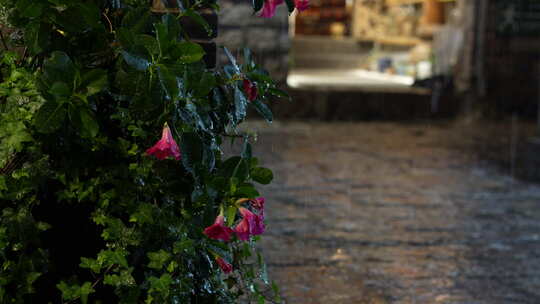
(113, 184)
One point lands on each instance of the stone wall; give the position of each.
(268, 38)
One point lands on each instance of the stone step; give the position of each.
(325, 52)
(327, 61)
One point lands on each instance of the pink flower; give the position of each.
(269, 8)
(250, 90)
(218, 230)
(226, 267)
(166, 146)
(251, 224)
(258, 203)
(258, 227)
(301, 5)
(243, 230)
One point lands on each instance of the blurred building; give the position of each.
(426, 56)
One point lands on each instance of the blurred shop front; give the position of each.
(404, 50)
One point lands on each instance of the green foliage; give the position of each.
(86, 215)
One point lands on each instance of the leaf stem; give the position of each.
(4, 44)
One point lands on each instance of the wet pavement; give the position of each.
(398, 213)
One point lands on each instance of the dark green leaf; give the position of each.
(262, 175)
(227, 168)
(187, 52)
(206, 84)
(158, 259)
(60, 91)
(94, 81)
(247, 191)
(163, 39)
(37, 37)
(246, 151)
(149, 42)
(90, 13)
(279, 93)
(91, 264)
(257, 5)
(79, 18)
(263, 110)
(85, 290)
(231, 215)
(232, 60)
(168, 82)
(241, 171)
(137, 62)
(138, 20)
(84, 120)
(195, 16)
(173, 26)
(192, 151)
(29, 8)
(126, 38)
(248, 59)
(209, 158)
(50, 116)
(59, 68)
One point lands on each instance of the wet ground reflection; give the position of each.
(396, 213)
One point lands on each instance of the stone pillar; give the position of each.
(268, 38)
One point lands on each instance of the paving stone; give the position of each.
(397, 213)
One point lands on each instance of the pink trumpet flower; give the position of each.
(218, 230)
(269, 8)
(250, 90)
(166, 146)
(301, 5)
(258, 203)
(251, 224)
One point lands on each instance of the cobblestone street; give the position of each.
(398, 213)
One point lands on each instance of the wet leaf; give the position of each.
(138, 62)
(94, 81)
(262, 175)
(263, 110)
(240, 104)
(247, 150)
(59, 68)
(257, 5)
(192, 152)
(168, 82)
(50, 116)
(232, 60)
(187, 52)
(195, 16)
(84, 120)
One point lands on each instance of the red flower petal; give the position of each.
(218, 230)
(251, 224)
(258, 203)
(226, 267)
(259, 225)
(242, 230)
(269, 8)
(301, 5)
(250, 90)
